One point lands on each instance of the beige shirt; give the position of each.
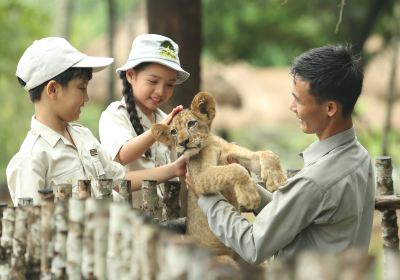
(46, 159)
(328, 206)
(115, 129)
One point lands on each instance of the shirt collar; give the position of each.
(320, 148)
(47, 133)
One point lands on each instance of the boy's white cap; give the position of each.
(48, 57)
(158, 49)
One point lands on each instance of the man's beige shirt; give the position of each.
(46, 159)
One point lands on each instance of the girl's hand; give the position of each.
(171, 115)
(180, 166)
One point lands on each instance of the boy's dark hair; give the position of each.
(63, 79)
(130, 102)
(333, 72)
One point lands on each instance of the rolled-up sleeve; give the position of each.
(114, 131)
(293, 208)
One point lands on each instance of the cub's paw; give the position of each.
(248, 196)
(271, 171)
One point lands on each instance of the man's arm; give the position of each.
(293, 208)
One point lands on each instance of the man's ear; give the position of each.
(332, 108)
(204, 104)
(160, 132)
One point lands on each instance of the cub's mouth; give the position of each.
(190, 151)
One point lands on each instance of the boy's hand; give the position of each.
(180, 166)
(171, 115)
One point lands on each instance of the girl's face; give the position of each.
(70, 99)
(152, 86)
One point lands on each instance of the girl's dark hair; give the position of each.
(63, 79)
(333, 72)
(127, 92)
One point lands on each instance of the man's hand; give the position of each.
(171, 115)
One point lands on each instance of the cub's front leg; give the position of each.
(217, 178)
(264, 164)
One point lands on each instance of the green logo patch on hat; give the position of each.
(167, 50)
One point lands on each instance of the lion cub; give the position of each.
(190, 134)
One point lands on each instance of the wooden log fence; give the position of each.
(95, 233)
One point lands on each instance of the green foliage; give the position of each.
(271, 33)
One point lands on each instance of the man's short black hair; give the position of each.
(63, 79)
(333, 72)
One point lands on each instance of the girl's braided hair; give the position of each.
(127, 92)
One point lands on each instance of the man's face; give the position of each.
(311, 115)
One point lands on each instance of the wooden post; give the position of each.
(23, 201)
(76, 214)
(119, 242)
(3, 206)
(7, 234)
(148, 244)
(123, 191)
(46, 194)
(46, 238)
(150, 198)
(33, 242)
(84, 189)
(171, 208)
(88, 235)
(59, 261)
(62, 192)
(103, 189)
(18, 264)
(101, 220)
(389, 218)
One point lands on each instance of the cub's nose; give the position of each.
(184, 143)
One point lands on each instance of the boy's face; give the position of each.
(69, 99)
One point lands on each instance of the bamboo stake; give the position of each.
(103, 189)
(136, 224)
(62, 192)
(148, 246)
(33, 242)
(18, 264)
(119, 242)
(150, 198)
(101, 219)
(7, 233)
(88, 242)
(46, 194)
(46, 238)
(84, 189)
(123, 191)
(3, 206)
(59, 261)
(389, 218)
(23, 201)
(76, 214)
(171, 209)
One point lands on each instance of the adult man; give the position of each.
(328, 206)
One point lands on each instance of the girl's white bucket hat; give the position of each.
(158, 49)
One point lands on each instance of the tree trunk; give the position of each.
(63, 17)
(181, 21)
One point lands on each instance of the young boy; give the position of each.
(55, 151)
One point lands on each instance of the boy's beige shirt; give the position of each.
(46, 159)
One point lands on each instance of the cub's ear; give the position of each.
(161, 133)
(204, 104)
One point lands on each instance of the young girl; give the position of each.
(148, 78)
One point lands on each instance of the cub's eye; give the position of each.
(191, 124)
(173, 132)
